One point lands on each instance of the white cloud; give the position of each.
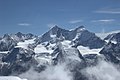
(103, 71)
(109, 11)
(24, 24)
(75, 21)
(58, 72)
(104, 20)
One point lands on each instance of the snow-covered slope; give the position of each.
(5, 52)
(10, 78)
(85, 50)
(42, 49)
(25, 43)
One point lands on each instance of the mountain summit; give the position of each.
(80, 36)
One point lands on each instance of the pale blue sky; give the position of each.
(36, 16)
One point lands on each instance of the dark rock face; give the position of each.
(57, 32)
(113, 37)
(7, 43)
(84, 37)
(90, 40)
(91, 59)
(112, 52)
(18, 54)
(17, 61)
(59, 56)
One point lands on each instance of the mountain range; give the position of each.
(77, 48)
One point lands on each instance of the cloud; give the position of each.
(58, 72)
(104, 20)
(24, 24)
(75, 21)
(109, 11)
(103, 71)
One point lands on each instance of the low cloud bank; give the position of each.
(59, 72)
(103, 71)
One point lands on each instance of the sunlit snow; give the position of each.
(25, 43)
(85, 50)
(10, 78)
(4, 52)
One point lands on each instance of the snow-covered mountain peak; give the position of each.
(6, 36)
(80, 28)
(19, 34)
(55, 27)
(115, 37)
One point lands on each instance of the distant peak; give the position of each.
(19, 33)
(6, 35)
(55, 27)
(30, 34)
(80, 28)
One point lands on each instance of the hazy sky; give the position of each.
(36, 16)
